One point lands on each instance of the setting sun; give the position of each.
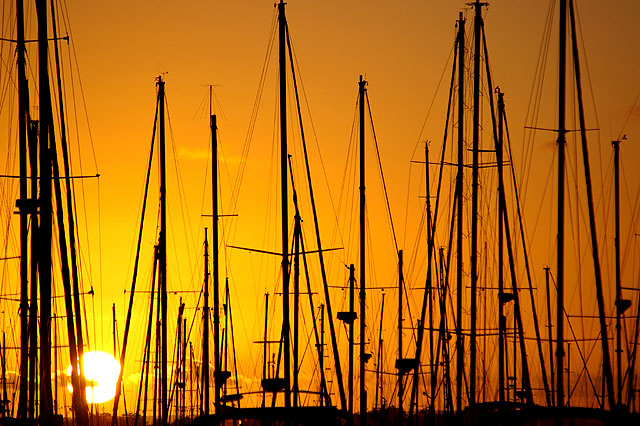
(101, 373)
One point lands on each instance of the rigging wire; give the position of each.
(535, 99)
(186, 223)
(384, 184)
(77, 66)
(313, 130)
(253, 118)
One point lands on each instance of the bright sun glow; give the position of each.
(101, 372)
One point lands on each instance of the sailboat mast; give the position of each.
(379, 366)
(184, 372)
(502, 320)
(44, 266)
(54, 346)
(217, 378)
(265, 360)
(399, 363)
(205, 329)
(191, 367)
(178, 364)
(296, 296)
(162, 256)
(561, 166)
(460, 289)
(547, 271)
(3, 360)
(619, 307)
(477, 24)
(34, 251)
(113, 320)
(282, 24)
(323, 386)
(363, 396)
(352, 284)
(23, 118)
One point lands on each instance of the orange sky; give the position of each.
(401, 49)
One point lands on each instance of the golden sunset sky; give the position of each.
(404, 50)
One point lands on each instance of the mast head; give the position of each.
(362, 83)
(160, 77)
(478, 4)
(160, 80)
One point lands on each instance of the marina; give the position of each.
(356, 214)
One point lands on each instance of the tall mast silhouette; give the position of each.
(459, 178)
(162, 261)
(362, 87)
(282, 56)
